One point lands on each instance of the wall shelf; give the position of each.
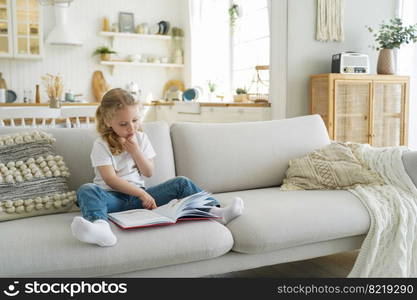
(114, 64)
(136, 64)
(114, 35)
(135, 35)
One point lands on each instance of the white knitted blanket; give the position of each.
(390, 247)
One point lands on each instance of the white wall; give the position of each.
(306, 56)
(76, 65)
(278, 70)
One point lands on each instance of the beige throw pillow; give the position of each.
(32, 177)
(332, 167)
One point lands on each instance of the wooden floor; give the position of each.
(332, 266)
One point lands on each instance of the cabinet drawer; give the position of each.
(187, 117)
(213, 114)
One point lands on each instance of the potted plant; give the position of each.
(234, 13)
(388, 37)
(212, 88)
(104, 52)
(241, 95)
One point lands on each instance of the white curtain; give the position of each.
(209, 44)
(407, 65)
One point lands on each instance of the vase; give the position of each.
(386, 62)
(54, 103)
(212, 97)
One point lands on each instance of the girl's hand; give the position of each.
(130, 144)
(148, 201)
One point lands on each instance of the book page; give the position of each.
(188, 206)
(197, 213)
(138, 217)
(169, 210)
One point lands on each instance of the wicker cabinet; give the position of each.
(362, 108)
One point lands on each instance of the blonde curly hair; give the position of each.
(113, 100)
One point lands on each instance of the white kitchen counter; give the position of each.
(74, 114)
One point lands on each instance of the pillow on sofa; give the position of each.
(32, 177)
(335, 166)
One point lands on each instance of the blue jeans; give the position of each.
(95, 202)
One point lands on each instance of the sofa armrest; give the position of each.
(410, 165)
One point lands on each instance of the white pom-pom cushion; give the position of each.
(33, 179)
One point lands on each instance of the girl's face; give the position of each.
(125, 122)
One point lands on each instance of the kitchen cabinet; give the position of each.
(369, 109)
(21, 29)
(210, 113)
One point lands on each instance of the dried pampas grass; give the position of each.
(53, 85)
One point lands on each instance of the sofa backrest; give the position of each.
(236, 156)
(75, 144)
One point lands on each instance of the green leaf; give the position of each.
(394, 34)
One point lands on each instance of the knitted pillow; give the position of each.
(336, 166)
(32, 177)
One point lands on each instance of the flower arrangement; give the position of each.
(53, 85)
(394, 34)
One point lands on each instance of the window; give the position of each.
(251, 47)
(228, 57)
(210, 44)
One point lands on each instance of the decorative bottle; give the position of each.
(37, 95)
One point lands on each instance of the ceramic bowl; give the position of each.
(189, 94)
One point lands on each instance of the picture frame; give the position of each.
(126, 22)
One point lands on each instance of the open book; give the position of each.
(188, 208)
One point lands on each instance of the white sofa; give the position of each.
(245, 159)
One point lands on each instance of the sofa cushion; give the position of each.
(410, 165)
(44, 246)
(333, 167)
(159, 135)
(237, 156)
(33, 178)
(275, 219)
(75, 144)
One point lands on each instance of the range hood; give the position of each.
(62, 34)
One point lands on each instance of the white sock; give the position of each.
(230, 212)
(97, 232)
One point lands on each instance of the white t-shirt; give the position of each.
(123, 164)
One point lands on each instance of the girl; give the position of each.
(121, 156)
